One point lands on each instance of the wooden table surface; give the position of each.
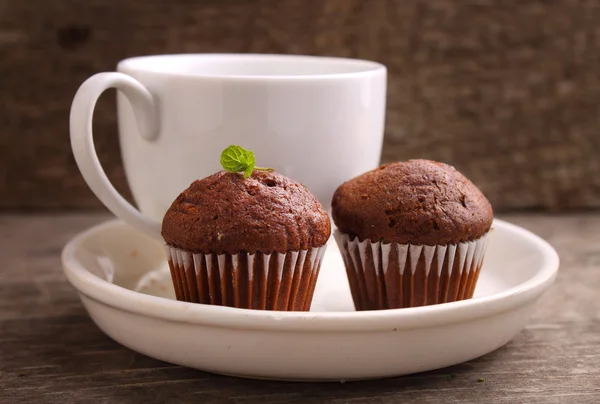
(51, 352)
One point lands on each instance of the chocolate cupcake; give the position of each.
(251, 242)
(411, 234)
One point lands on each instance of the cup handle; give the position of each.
(82, 142)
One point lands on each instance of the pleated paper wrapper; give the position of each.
(392, 275)
(260, 281)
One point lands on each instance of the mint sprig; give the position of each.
(236, 159)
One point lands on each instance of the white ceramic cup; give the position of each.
(317, 120)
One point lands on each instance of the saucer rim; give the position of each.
(124, 299)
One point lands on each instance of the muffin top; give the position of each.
(419, 202)
(227, 213)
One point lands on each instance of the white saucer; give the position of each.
(125, 285)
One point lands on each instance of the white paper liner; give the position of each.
(392, 275)
(253, 281)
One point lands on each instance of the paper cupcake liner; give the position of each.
(392, 275)
(252, 281)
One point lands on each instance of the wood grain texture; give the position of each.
(51, 352)
(505, 90)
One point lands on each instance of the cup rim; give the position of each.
(141, 64)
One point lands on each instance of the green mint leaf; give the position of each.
(236, 159)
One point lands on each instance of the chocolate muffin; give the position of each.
(412, 233)
(253, 242)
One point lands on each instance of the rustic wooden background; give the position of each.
(506, 90)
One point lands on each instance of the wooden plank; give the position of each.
(51, 352)
(505, 90)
